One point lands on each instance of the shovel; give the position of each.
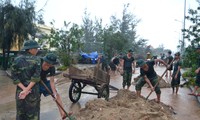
(160, 78)
(67, 115)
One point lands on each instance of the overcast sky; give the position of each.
(161, 20)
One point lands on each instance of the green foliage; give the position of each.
(189, 73)
(62, 68)
(65, 59)
(190, 58)
(92, 37)
(67, 39)
(113, 42)
(66, 42)
(121, 34)
(117, 37)
(191, 81)
(193, 36)
(17, 22)
(190, 76)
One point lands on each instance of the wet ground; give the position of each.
(186, 107)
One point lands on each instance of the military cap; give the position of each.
(130, 50)
(50, 58)
(30, 44)
(177, 54)
(140, 62)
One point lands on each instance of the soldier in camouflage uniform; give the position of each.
(48, 70)
(176, 74)
(169, 60)
(128, 64)
(25, 73)
(148, 75)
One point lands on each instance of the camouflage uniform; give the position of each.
(176, 82)
(127, 75)
(25, 69)
(151, 75)
(51, 59)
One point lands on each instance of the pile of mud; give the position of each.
(79, 69)
(87, 70)
(125, 106)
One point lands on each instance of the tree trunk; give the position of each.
(5, 60)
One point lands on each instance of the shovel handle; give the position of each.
(156, 83)
(54, 98)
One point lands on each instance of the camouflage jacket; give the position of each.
(25, 69)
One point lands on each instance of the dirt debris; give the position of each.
(125, 106)
(79, 69)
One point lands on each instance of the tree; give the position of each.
(121, 34)
(128, 26)
(192, 34)
(112, 42)
(66, 41)
(88, 36)
(16, 24)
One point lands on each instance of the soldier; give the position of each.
(128, 65)
(114, 62)
(169, 60)
(149, 76)
(25, 72)
(148, 57)
(176, 75)
(48, 68)
(104, 63)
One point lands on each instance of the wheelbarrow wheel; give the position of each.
(75, 91)
(104, 91)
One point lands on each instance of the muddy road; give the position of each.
(185, 106)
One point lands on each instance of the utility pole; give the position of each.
(183, 42)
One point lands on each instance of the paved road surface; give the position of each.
(186, 107)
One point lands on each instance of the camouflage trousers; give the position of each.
(127, 75)
(140, 83)
(28, 108)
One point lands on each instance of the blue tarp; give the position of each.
(93, 56)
